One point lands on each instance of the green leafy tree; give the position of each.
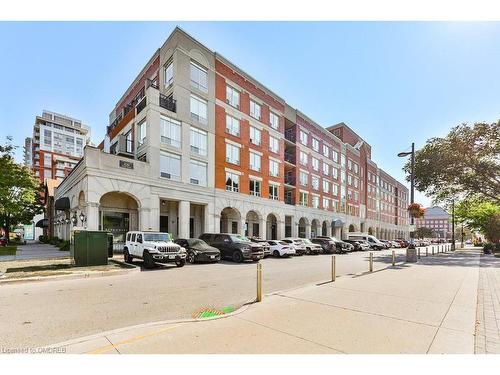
(424, 232)
(20, 191)
(465, 163)
(480, 215)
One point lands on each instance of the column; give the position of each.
(263, 228)
(144, 216)
(92, 216)
(241, 226)
(295, 227)
(308, 230)
(184, 214)
(280, 229)
(154, 213)
(211, 221)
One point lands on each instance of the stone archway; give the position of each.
(303, 227)
(315, 228)
(324, 228)
(352, 228)
(370, 231)
(230, 221)
(253, 228)
(272, 229)
(118, 214)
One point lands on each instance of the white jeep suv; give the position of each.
(153, 247)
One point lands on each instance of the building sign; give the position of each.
(126, 164)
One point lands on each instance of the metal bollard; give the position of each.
(259, 282)
(334, 268)
(371, 262)
(432, 250)
(427, 252)
(393, 258)
(418, 250)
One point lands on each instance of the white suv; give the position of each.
(153, 247)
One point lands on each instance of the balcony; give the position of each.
(290, 158)
(290, 135)
(168, 102)
(141, 105)
(290, 180)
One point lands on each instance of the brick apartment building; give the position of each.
(437, 219)
(197, 145)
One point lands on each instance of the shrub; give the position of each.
(43, 239)
(64, 245)
(497, 247)
(54, 240)
(488, 248)
(8, 250)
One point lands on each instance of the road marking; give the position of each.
(108, 348)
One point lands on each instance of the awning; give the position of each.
(337, 223)
(44, 223)
(62, 204)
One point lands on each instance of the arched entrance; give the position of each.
(118, 214)
(370, 231)
(315, 228)
(252, 224)
(230, 221)
(303, 223)
(271, 227)
(352, 228)
(324, 228)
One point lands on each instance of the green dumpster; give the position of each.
(90, 248)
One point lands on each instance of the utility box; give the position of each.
(90, 248)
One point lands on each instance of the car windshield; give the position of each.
(155, 237)
(195, 242)
(238, 238)
(283, 243)
(305, 240)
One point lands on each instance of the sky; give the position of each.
(393, 83)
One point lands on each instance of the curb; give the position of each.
(85, 275)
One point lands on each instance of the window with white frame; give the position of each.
(315, 201)
(198, 173)
(326, 203)
(170, 166)
(335, 189)
(274, 144)
(273, 192)
(349, 164)
(199, 76)
(169, 74)
(171, 131)
(326, 186)
(255, 188)
(349, 180)
(274, 168)
(335, 156)
(232, 182)
(315, 182)
(232, 96)
(303, 199)
(326, 169)
(141, 132)
(255, 161)
(356, 168)
(199, 109)
(356, 196)
(315, 164)
(303, 177)
(255, 110)
(198, 141)
(315, 144)
(232, 125)
(232, 154)
(356, 182)
(129, 142)
(47, 160)
(255, 135)
(274, 120)
(326, 151)
(303, 137)
(303, 158)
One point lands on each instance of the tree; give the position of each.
(424, 232)
(20, 191)
(481, 216)
(464, 163)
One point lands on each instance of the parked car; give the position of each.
(342, 247)
(375, 243)
(359, 245)
(297, 244)
(328, 246)
(402, 242)
(234, 246)
(3, 241)
(311, 247)
(395, 244)
(198, 250)
(281, 248)
(263, 243)
(153, 247)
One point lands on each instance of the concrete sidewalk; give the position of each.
(35, 251)
(429, 307)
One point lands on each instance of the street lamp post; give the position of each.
(411, 252)
(453, 225)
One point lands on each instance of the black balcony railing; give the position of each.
(289, 200)
(290, 157)
(168, 102)
(290, 135)
(141, 105)
(152, 83)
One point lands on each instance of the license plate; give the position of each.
(212, 256)
(171, 257)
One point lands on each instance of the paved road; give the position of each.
(35, 251)
(34, 314)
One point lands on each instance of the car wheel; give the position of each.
(126, 256)
(276, 253)
(148, 260)
(237, 257)
(190, 257)
(180, 262)
(308, 251)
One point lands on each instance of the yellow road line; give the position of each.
(108, 348)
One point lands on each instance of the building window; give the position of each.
(141, 133)
(303, 137)
(254, 110)
(315, 164)
(326, 169)
(171, 131)
(47, 160)
(326, 186)
(315, 144)
(273, 192)
(274, 168)
(232, 154)
(47, 173)
(255, 188)
(255, 162)
(326, 151)
(198, 109)
(349, 164)
(255, 136)
(274, 120)
(356, 183)
(335, 189)
(198, 173)
(303, 199)
(303, 178)
(326, 203)
(303, 158)
(198, 141)
(232, 126)
(274, 145)
(315, 182)
(335, 156)
(315, 201)
(199, 77)
(356, 169)
(232, 182)
(169, 74)
(232, 97)
(170, 166)
(129, 142)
